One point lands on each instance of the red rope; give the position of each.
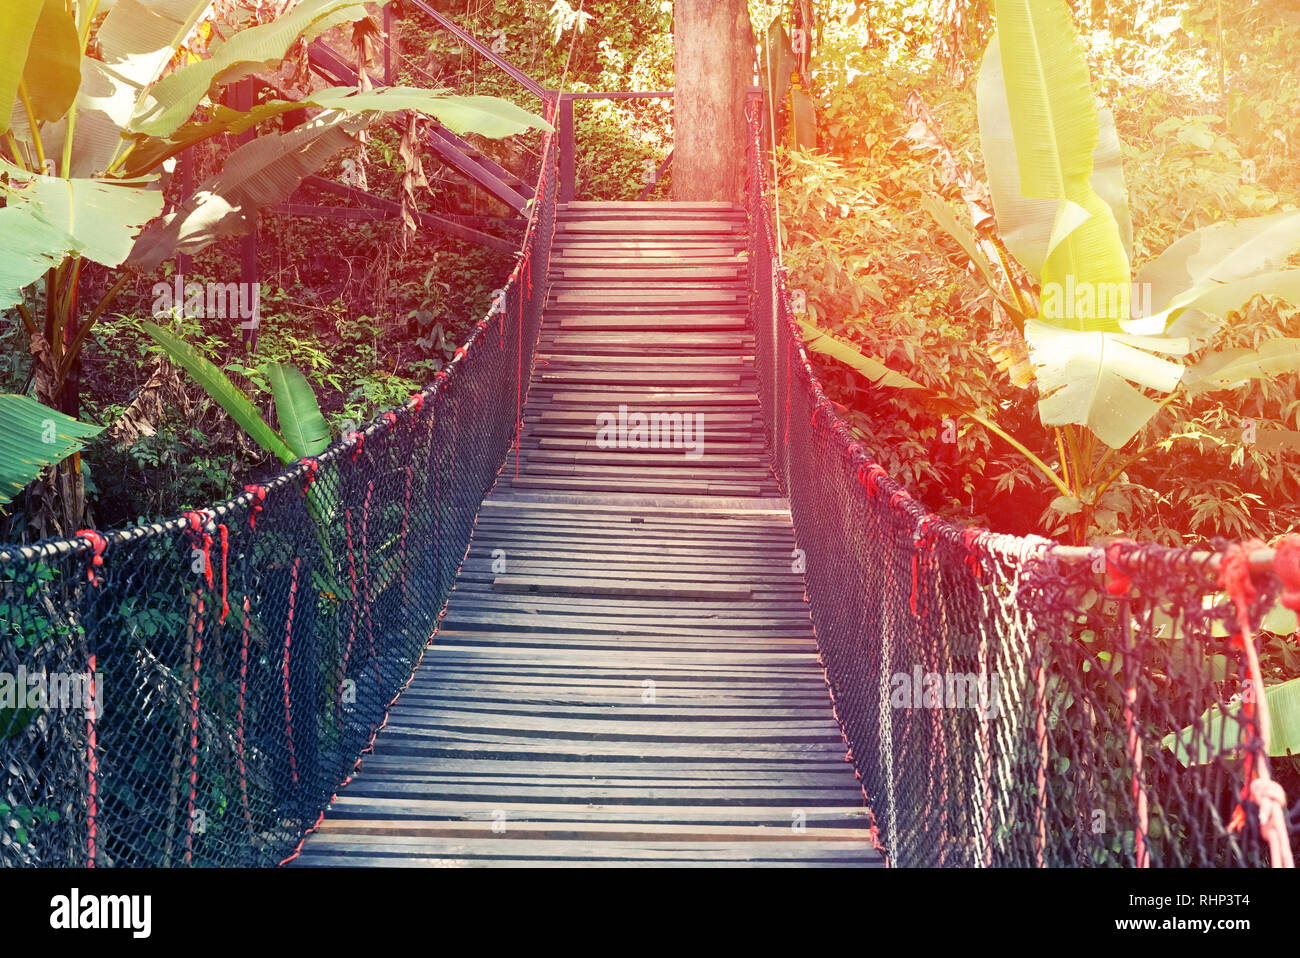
(239, 726)
(313, 467)
(1258, 785)
(92, 767)
(225, 560)
(259, 499)
(1118, 580)
(97, 544)
(1287, 566)
(288, 635)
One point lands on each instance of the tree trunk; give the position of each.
(713, 53)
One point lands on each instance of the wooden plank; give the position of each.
(597, 586)
(595, 831)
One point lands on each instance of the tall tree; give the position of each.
(713, 53)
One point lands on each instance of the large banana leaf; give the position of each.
(258, 174)
(102, 217)
(136, 40)
(227, 395)
(778, 62)
(1053, 118)
(17, 26)
(1025, 223)
(1220, 732)
(172, 100)
(1084, 378)
(33, 436)
(29, 246)
(488, 116)
(53, 70)
(876, 372)
(1218, 269)
(1231, 367)
(301, 423)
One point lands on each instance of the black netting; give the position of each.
(244, 657)
(1098, 729)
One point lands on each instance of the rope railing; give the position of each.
(1009, 701)
(194, 691)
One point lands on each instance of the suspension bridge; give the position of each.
(621, 587)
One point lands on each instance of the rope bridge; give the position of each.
(209, 684)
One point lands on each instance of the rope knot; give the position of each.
(97, 544)
(1287, 567)
(416, 402)
(202, 539)
(259, 500)
(313, 467)
(1234, 574)
(970, 539)
(460, 353)
(1118, 579)
(868, 473)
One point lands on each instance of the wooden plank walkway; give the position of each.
(627, 673)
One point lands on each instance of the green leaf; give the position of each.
(102, 217)
(53, 71)
(1219, 732)
(873, 369)
(1231, 367)
(778, 62)
(136, 41)
(487, 116)
(227, 395)
(301, 423)
(1025, 223)
(1280, 620)
(258, 174)
(172, 100)
(1043, 94)
(1083, 378)
(1220, 254)
(1066, 505)
(29, 246)
(33, 436)
(1198, 313)
(17, 27)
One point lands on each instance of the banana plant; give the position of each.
(1101, 344)
(303, 431)
(94, 109)
(33, 437)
